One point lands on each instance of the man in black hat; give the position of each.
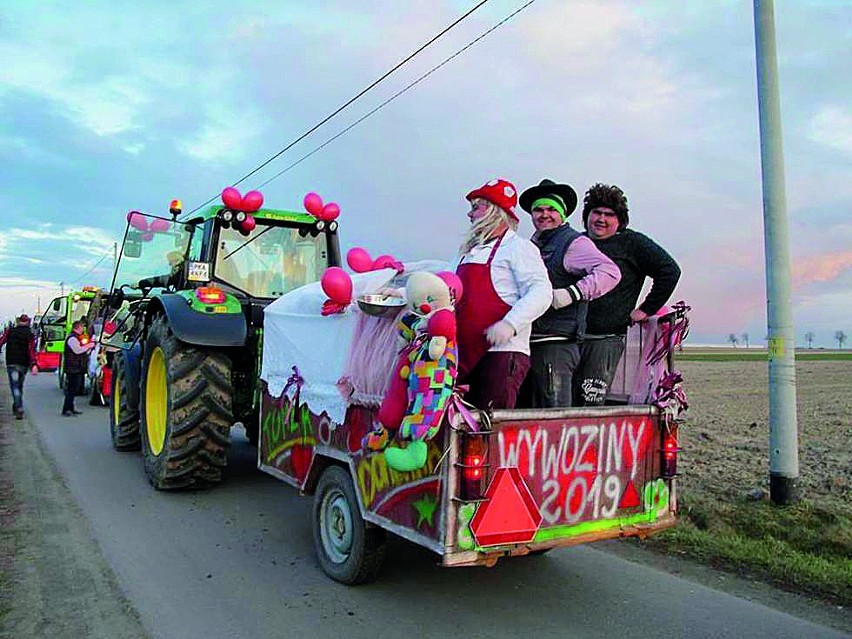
(606, 216)
(578, 272)
(20, 357)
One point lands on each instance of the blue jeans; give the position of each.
(17, 374)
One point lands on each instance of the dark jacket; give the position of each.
(75, 363)
(570, 321)
(20, 346)
(638, 257)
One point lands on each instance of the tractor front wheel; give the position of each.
(123, 418)
(186, 411)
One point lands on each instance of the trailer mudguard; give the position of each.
(202, 329)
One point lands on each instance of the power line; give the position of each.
(344, 105)
(395, 96)
(105, 255)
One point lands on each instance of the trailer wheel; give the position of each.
(123, 419)
(349, 550)
(186, 411)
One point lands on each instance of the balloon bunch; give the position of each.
(140, 222)
(323, 212)
(239, 207)
(337, 284)
(359, 260)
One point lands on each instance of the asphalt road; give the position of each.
(238, 561)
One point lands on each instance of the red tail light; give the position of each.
(473, 464)
(670, 449)
(210, 295)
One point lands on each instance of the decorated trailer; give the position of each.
(493, 484)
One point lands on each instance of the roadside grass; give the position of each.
(758, 355)
(805, 548)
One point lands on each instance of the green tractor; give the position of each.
(186, 330)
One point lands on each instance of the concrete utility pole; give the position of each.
(783, 430)
(62, 288)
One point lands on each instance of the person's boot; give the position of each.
(19, 413)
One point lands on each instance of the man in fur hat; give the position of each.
(605, 216)
(578, 273)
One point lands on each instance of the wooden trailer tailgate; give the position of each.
(558, 477)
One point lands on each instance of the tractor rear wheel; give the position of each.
(123, 419)
(186, 411)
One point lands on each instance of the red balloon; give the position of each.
(384, 261)
(137, 220)
(252, 201)
(313, 204)
(231, 198)
(337, 285)
(160, 226)
(359, 260)
(443, 324)
(329, 212)
(454, 282)
(249, 223)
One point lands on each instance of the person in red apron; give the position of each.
(505, 289)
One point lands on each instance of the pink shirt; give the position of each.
(602, 274)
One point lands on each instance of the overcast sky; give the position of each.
(106, 107)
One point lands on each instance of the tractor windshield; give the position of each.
(152, 246)
(270, 260)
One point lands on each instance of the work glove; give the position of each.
(563, 297)
(499, 333)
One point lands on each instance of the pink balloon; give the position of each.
(231, 198)
(384, 261)
(359, 260)
(337, 285)
(160, 226)
(313, 204)
(249, 223)
(252, 201)
(454, 283)
(147, 236)
(137, 220)
(329, 212)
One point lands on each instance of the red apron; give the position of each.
(479, 308)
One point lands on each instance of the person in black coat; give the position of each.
(20, 358)
(606, 218)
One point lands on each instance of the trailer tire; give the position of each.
(349, 550)
(123, 419)
(186, 413)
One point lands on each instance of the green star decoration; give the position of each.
(425, 507)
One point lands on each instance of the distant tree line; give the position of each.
(839, 336)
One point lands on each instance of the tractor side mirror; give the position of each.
(56, 305)
(132, 247)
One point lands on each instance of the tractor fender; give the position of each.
(201, 329)
(132, 375)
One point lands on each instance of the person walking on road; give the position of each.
(20, 358)
(76, 360)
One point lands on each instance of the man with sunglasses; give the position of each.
(578, 273)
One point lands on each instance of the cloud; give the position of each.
(227, 134)
(820, 268)
(832, 126)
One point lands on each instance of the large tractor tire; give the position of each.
(349, 550)
(123, 418)
(186, 411)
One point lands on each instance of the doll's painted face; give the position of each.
(426, 293)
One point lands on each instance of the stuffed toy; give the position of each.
(424, 376)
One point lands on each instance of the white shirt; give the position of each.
(520, 279)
